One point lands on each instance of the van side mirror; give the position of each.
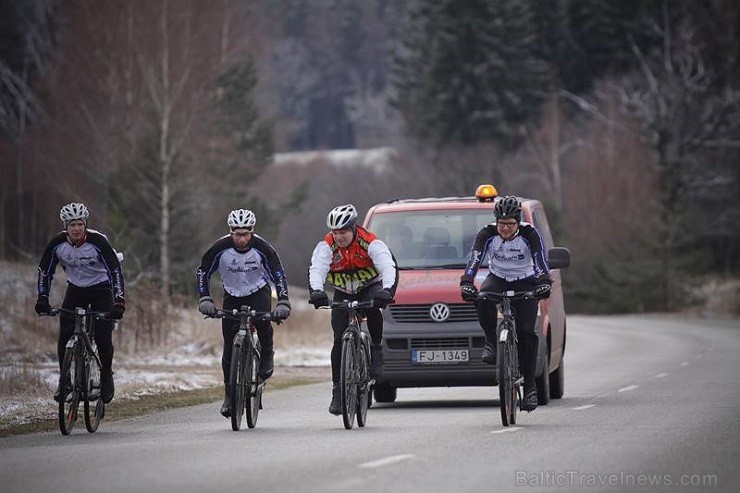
(558, 257)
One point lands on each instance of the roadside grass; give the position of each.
(151, 338)
(133, 407)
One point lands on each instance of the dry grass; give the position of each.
(23, 380)
(172, 342)
(148, 326)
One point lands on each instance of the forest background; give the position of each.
(622, 116)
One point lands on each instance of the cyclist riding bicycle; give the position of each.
(360, 267)
(247, 264)
(517, 262)
(94, 279)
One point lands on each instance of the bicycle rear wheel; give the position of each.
(69, 396)
(253, 392)
(348, 381)
(363, 392)
(93, 405)
(237, 382)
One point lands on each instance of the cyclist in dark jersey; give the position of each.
(360, 267)
(247, 264)
(94, 279)
(517, 262)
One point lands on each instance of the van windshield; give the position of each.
(430, 239)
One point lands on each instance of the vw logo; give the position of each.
(439, 312)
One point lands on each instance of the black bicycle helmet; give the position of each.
(508, 207)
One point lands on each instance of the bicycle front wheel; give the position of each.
(69, 396)
(238, 384)
(506, 372)
(254, 389)
(93, 405)
(348, 381)
(363, 392)
(504, 382)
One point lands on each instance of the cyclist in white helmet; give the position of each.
(247, 264)
(94, 279)
(360, 267)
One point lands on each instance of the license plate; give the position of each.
(439, 355)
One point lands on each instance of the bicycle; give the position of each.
(355, 380)
(79, 379)
(507, 359)
(245, 383)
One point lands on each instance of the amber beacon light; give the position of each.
(486, 193)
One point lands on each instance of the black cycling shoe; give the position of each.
(529, 403)
(376, 360)
(107, 388)
(489, 354)
(336, 399)
(267, 365)
(58, 391)
(226, 406)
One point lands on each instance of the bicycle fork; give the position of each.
(508, 337)
(362, 353)
(255, 383)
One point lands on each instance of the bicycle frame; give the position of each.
(245, 381)
(82, 350)
(355, 371)
(509, 377)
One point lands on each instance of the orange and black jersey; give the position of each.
(367, 260)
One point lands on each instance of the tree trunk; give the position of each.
(165, 157)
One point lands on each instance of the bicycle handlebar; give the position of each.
(512, 295)
(236, 314)
(56, 311)
(349, 304)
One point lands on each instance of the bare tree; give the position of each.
(683, 109)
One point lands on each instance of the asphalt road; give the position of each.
(651, 404)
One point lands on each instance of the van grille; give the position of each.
(459, 312)
(440, 342)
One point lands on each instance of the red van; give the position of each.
(431, 337)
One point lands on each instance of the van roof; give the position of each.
(440, 203)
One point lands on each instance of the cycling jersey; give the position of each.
(521, 257)
(242, 272)
(367, 260)
(92, 263)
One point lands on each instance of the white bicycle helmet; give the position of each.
(342, 216)
(241, 218)
(73, 212)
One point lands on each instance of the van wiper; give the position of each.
(448, 266)
(432, 267)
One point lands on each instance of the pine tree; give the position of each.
(467, 71)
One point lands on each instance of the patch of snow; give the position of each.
(378, 159)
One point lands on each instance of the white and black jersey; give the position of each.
(92, 263)
(521, 257)
(242, 272)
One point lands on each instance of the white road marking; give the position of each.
(386, 461)
(684, 363)
(581, 408)
(628, 388)
(661, 375)
(507, 430)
